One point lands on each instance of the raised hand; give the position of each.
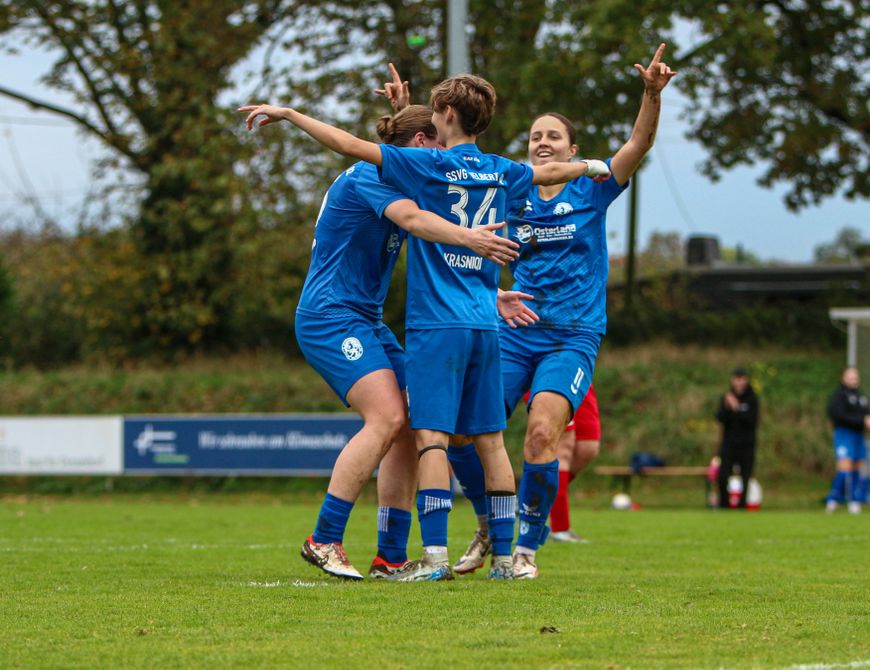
(272, 114)
(658, 74)
(488, 244)
(396, 91)
(513, 310)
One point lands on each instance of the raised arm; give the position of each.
(559, 172)
(643, 135)
(396, 91)
(329, 136)
(432, 228)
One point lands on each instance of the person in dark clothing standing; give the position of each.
(849, 411)
(738, 414)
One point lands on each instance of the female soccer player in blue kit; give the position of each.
(454, 377)
(358, 234)
(563, 263)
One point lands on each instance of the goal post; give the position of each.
(857, 322)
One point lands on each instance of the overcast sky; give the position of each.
(54, 161)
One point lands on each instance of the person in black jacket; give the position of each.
(849, 411)
(738, 414)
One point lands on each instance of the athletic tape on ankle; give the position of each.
(430, 448)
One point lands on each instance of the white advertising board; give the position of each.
(61, 445)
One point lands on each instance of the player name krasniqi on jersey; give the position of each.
(463, 261)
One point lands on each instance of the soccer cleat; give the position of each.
(393, 572)
(567, 536)
(330, 558)
(502, 569)
(831, 506)
(475, 556)
(854, 507)
(427, 569)
(524, 567)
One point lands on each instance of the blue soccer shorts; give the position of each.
(454, 381)
(344, 349)
(849, 444)
(547, 359)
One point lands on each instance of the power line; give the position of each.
(27, 121)
(672, 187)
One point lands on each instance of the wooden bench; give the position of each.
(623, 474)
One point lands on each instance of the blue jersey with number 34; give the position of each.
(450, 286)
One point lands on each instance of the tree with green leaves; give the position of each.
(145, 79)
(783, 84)
(846, 247)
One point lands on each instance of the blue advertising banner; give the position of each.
(273, 444)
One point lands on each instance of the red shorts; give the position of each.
(586, 423)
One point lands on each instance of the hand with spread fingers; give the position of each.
(658, 74)
(513, 310)
(396, 91)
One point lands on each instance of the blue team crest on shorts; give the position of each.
(563, 208)
(352, 349)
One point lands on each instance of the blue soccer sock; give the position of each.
(394, 525)
(538, 489)
(856, 493)
(469, 471)
(433, 506)
(501, 516)
(838, 487)
(332, 521)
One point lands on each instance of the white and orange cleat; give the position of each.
(330, 558)
(475, 556)
(524, 566)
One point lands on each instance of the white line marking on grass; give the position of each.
(308, 585)
(263, 585)
(829, 666)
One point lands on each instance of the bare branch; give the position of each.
(69, 48)
(49, 107)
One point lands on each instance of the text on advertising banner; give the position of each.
(275, 444)
(68, 445)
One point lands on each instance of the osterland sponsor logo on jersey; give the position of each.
(525, 233)
(463, 174)
(463, 261)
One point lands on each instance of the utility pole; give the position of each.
(457, 40)
(632, 240)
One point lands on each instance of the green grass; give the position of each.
(215, 581)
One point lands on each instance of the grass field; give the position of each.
(216, 581)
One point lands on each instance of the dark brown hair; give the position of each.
(569, 127)
(473, 99)
(401, 128)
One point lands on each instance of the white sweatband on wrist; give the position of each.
(595, 167)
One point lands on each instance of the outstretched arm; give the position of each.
(432, 228)
(559, 173)
(643, 135)
(329, 136)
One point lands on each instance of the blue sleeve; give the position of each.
(404, 168)
(608, 191)
(519, 179)
(373, 192)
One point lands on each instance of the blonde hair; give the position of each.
(401, 128)
(472, 97)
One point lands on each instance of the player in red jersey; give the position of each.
(577, 449)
